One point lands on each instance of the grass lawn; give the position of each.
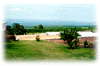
(45, 50)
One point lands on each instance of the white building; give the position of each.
(52, 33)
(82, 33)
(3, 25)
(87, 34)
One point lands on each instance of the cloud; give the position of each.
(15, 9)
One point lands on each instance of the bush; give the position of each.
(76, 42)
(85, 43)
(37, 38)
(70, 35)
(9, 38)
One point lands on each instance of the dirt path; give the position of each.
(32, 37)
(53, 38)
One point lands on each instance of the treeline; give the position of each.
(57, 29)
(20, 30)
(16, 29)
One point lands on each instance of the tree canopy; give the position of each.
(70, 35)
(40, 26)
(18, 29)
(9, 30)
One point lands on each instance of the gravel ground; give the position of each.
(81, 41)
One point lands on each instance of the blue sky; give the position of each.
(59, 12)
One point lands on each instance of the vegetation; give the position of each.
(91, 28)
(85, 43)
(8, 38)
(63, 36)
(32, 50)
(40, 26)
(60, 29)
(18, 29)
(69, 36)
(45, 50)
(35, 27)
(9, 34)
(37, 38)
(9, 30)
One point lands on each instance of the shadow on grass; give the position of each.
(12, 46)
(9, 46)
(68, 47)
(40, 41)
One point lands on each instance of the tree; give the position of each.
(37, 38)
(63, 36)
(35, 27)
(18, 29)
(91, 28)
(69, 36)
(40, 26)
(9, 30)
(85, 43)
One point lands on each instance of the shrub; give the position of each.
(85, 43)
(91, 43)
(37, 38)
(70, 35)
(76, 42)
(10, 37)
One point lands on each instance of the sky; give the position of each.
(58, 12)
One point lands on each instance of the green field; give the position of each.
(59, 29)
(53, 26)
(45, 50)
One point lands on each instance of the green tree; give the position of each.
(40, 26)
(70, 35)
(91, 28)
(9, 30)
(37, 38)
(63, 36)
(35, 27)
(18, 29)
(85, 43)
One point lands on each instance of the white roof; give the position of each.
(87, 34)
(42, 33)
(82, 33)
(53, 33)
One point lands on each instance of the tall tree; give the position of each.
(40, 26)
(18, 29)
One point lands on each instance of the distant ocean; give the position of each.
(31, 22)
